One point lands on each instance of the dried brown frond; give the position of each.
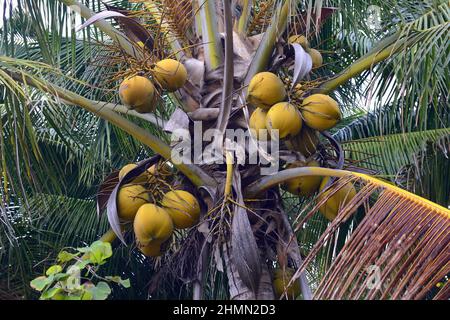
(400, 248)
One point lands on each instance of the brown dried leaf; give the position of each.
(245, 252)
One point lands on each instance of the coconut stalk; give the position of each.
(268, 182)
(192, 172)
(224, 114)
(222, 122)
(210, 35)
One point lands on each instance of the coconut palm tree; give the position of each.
(66, 133)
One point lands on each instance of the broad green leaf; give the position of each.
(124, 282)
(74, 296)
(82, 264)
(87, 295)
(50, 293)
(74, 270)
(100, 251)
(101, 291)
(65, 256)
(60, 276)
(40, 283)
(53, 269)
(73, 282)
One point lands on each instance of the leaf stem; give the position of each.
(275, 29)
(227, 92)
(210, 34)
(243, 19)
(382, 51)
(264, 183)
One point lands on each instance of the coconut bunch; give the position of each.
(154, 208)
(139, 93)
(154, 214)
(278, 102)
(289, 113)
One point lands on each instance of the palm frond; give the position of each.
(391, 152)
(429, 173)
(399, 234)
(399, 250)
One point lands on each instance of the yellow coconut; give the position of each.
(170, 74)
(129, 199)
(305, 142)
(265, 89)
(300, 39)
(182, 207)
(339, 199)
(316, 57)
(303, 186)
(138, 93)
(320, 112)
(127, 168)
(258, 122)
(152, 249)
(152, 223)
(285, 117)
(281, 280)
(142, 178)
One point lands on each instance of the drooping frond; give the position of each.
(399, 250)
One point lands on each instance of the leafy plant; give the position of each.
(72, 278)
